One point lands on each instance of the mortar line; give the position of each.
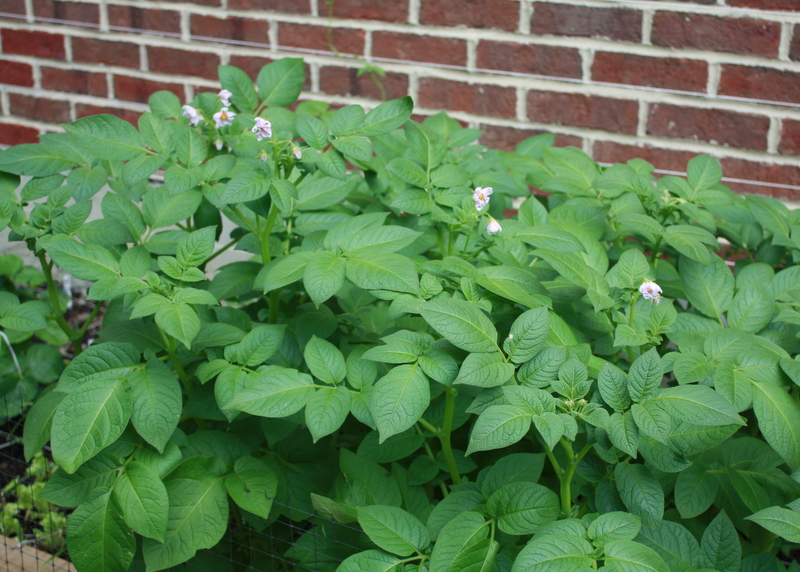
(774, 134)
(413, 11)
(103, 6)
(712, 85)
(647, 27)
(525, 14)
(522, 106)
(787, 30)
(643, 115)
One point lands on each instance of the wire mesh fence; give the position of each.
(33, 531)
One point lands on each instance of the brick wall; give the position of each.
(661, 80)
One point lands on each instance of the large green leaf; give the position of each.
(245, 187)
(179, 321)
(721, 547)
(34, 160)
(697, 404)
(197, 516)
(326, 410)
(387, 117)
(71, 490)
(781, 521)
(143, 499)
(241, 87)
(528, 335)
(616, 525)
(554, 553)
(325, 361)
(461, 323)
(629, 556)
(709, 287)
(382, 271)
(106, 137)
(484, 370)
(399, 399)
(523, 508)
(97, 537)
(644, 376)
(84, 261)
(393, 529)
(279, 83)
(498, 426)
(38, 422)
(156, 398)
(640, 492)
(778, 415)
(458, 537)
(252, 485)
(260, 344)
(89, 420)
(274, 392)
(324, 275)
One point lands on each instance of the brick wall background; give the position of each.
(661, 80)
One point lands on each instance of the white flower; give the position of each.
(481, 197)
(225, 97)
(651, 291)
(192, 115)
(223, 117)
(262, 129)
(218, 144)
(493, 227)
(298, 154)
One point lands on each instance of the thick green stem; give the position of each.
(169, 342)
(569, 472)
(630, 324)
(266, 254)
(444, 436)
(274, 302)
(654, 256)
(57, 311)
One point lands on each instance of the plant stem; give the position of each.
(630, 324)
(444, 435)
(169, 341)
(274, 302)
(13, 354)
(266, 254)
(223, 249)
(58, 312)
(569, 472)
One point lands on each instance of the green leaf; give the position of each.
(695, 490)
(461, 323)
(179, 321)
(155, 398)
(324, 275)
(528, 335)
(629, 556)
(709, 287)
(239, 84)
(498, 426)
(97, 538)
(399, 399)
(721, 548)
(34, 160)
(644, 376)
(690, 241)
(408, 171)
(326, 410)
(124, 211)
(523, 508)
(697, 404)
(383, 271)
(84, 261)
(514, 284)
(640, 492)
(514, 468)
(703, 172)
(781, 521)
(380, 239)
(161, 209)
(156, 132)
(260, 344)
(613, 526)
(197, 516)
(143, 499)
(26, 317)
(245, 187)
(283, 271)
(550, 426)
(354, 147)
(325, 361)
(386, 117)
(771, 214)
(274, 392)
(484, 370)
(652, 420)
(624, 433)
(252, 485)
(106, 137)
(99, 361)
(778, 417)
(38, 422)
(165, 104)
(751, 309)
(191, 147)
(369, 561)
(71, 490)
(393, 529)
(675, 544)
(613, 385)
(458, 538)
(572, 267)
(279, 83)
(313, 131)
(197, 247)
(630, 270)
(554, 553)
(322, 192)
(89, 420)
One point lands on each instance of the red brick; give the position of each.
(282, 6)
(89, 50)
(74, 81)
(794, 47)
(668, 73)
(204, 2)
(12, 134)
(709, 125)
(564, 20)
(790, 137)
(84, 110)
(530, 59)
(346, 81)
(39, 108)
(760, 83)
(579, 110)
(785, 5)
(182, 62)
(507, 138)
(16, 73)
(29, 43)
(383, 10)
(703, 32)
(251, 65)
(70, 11)
(414, 48)
(346, 40)
(500, 14)
(762, 172)
(231, 28)
(130, 17)
(14, 7)
(481, 99)
(129, 88)
(666, 159)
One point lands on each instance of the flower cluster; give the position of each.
(481, 197)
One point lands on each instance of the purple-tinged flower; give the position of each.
(481, 197)
(223, 117)
(262, 129)
(225, 97)
(192, 115)
(493, 227)
(651, 291)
